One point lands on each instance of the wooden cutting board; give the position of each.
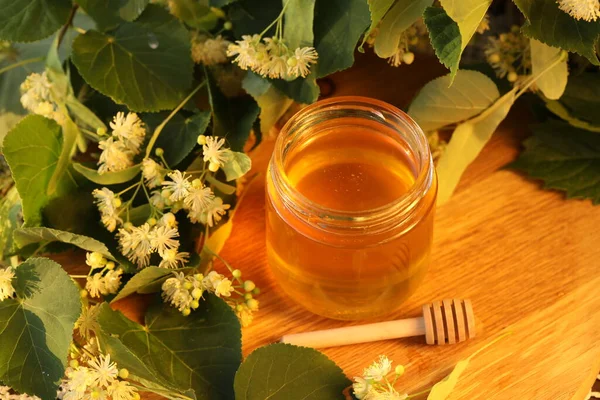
(527, 258)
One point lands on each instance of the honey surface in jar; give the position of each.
(350, 169)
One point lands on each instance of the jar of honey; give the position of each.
(351, 191)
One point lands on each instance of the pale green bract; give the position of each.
(438, 105)
(400, 16)
(554, 81)
(466, 143)
(25, 236)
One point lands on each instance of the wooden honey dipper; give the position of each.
(445, 322)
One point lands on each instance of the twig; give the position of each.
(63, 30)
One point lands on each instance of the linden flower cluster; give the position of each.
(271, 57)
(184, 292)
(96, 378)
(509, 54)
(36, 97)
(104, 278)
(374, 384)
(5, 394)
(128, 134)
(209, 51)
(587, 10)
(7, 291)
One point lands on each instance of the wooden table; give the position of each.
(527, 258)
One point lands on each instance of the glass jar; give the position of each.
(351, 193)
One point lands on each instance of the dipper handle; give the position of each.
(448, 321)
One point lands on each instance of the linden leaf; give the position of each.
(338, 26)
(194, 13)
(232, 117)
(554, 27)
(32, 150)
(108, 178)
(180, 135)
(31, 20)
(285, 372)
(135, 64)
(26, 236)
(273, 103)
(466, 143)
(109, 13)
(565, 158)
(298, 23)
(444, 35)
(553, 82)
(467, 14)
(402, 15)
(148, 280)
(200, 352)
(438, 105)
(36, 328)
(10, 210)
(377, 8)
(580, 101)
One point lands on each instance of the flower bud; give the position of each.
(186, 312)
(408, 58)
(123, 373)
(110, 265)
(151, 221)
(73, 363)
(159, 152)
(236, 273)
(201, 140)
(197, 293)
(512, 76)
(194, 304)
(213, 167)
(228, 26)
(252, 304)
(249, 286)
(399, 370)
(101, 131)
(197, 183)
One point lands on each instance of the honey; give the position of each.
(350, 203)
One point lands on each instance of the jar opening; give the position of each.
(354, 145)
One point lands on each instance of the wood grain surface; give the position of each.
(527, 258)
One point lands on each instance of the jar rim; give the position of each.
(392, 213)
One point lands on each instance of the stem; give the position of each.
(276, 19)
(419, 393)
(162, 125)
(79, 276)
(219, 257)
(127, 189)
(20, 63)
(89, 133)
(63, 31)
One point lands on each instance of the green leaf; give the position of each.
(26, 236)
(561, 111)
(377, 8)
(32, 150)
(145, 64)
(284, 372)
(467, 14)
(194, 13)
(298, 23)
(108, 178)
(548, 24)
(444, 35)
(581, 99)
(553, 82)
(10, 208)
(273, 104)
(199, 352)
(109, 13)
(220, 3)
(36, 328)
(232, 117)
(249, 18)
(466, 143)
(31, 20)
(338, 25)
(237, 166)
(180, 135)
(438, 105)
(565, 158)
(148, 280)
(400, 17)
(304, 91)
